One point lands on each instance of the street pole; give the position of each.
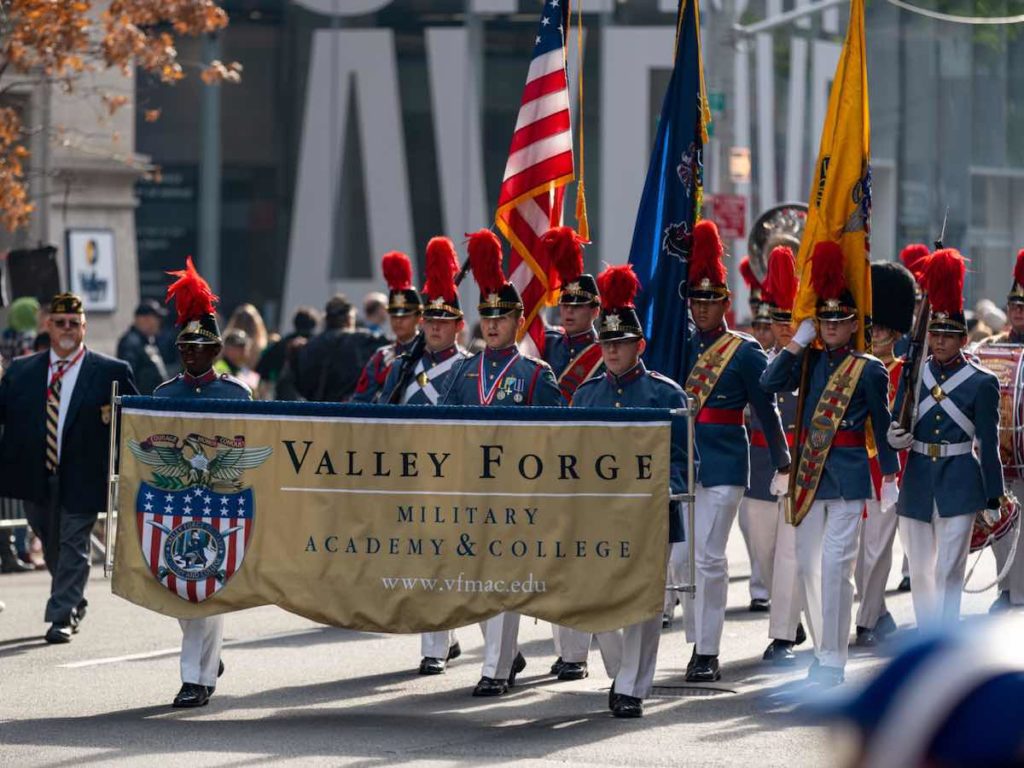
(210, 170)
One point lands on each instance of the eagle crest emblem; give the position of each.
(195, 515)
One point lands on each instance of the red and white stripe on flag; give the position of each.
(539, 165)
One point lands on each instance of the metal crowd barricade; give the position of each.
(688, 498)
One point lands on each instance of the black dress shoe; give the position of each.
(192, 695)
(904, 585)
(612, 696)
(518, 665)
(705, 670)
(826, 677)
(692, 661)
(432, 666)
(455, 651)
(1002, 603)
(15, 565)
(59, 633)
(780, 653)
(885, 626)
(220, 671)
(573, 670)
(627, 706)
(760, 605)
(557, 666)
(488, 686)
(801, 635)
(866, 638)
(666, 621)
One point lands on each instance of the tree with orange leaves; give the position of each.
(43, 41)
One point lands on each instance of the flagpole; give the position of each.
(798, 443)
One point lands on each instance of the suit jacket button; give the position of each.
(618, 405)
(619, 391)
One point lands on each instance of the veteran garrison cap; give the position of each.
(66, 304)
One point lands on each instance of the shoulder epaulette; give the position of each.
(536, 360)
(664, 379)
(167, 383)
(227, 377)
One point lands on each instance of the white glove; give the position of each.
(890, 493)
(898, 438)
(805, 333)
(780, 484)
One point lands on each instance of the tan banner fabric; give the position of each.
(393, 519)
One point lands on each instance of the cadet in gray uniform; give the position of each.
(199, 344)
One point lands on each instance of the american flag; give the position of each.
(539, 166)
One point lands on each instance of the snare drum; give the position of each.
(1006, 362)
(982, 530)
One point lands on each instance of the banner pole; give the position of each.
(113, 479)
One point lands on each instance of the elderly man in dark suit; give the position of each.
(55, 408)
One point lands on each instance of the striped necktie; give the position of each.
(53, 418)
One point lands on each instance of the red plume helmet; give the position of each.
(706, 256)
(780, 284)
(747, 273)
(618, 286)
(1018, 269)
(944, 281)
(192, 296)
(397, 270)
(827, 276)
(442, 266)
(914, 258)
(485, 256)
(564, 248)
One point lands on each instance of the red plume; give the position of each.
(397, 270)
(564, 248)
(944, 280)
(192, 295)
(914, 258)
(1018, 268)
(618, 287)
(706, 256)
(827, 276)
(747, 273)
(442, 266)
(780, 284)
(485, 260)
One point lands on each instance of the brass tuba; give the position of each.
(781, 225)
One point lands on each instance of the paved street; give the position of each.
(299, 693)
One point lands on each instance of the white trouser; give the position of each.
(501, 643)
(1013, 582)
(571, 644)
(639, 658)
(704, 616)
(787, 589)
(758, 521)
(874, 563)
(937, 550)
(435, 645)
(201, 640)
(826, 547)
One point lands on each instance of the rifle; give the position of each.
(910, 378)
(414, 354)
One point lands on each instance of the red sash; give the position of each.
(580, 368)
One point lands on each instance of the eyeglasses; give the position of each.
(68, 322)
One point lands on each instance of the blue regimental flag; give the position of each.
(671, 203)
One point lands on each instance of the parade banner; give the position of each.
(393, 518)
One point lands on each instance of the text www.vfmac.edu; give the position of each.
(462, 584)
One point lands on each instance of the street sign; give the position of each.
(730, 214)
